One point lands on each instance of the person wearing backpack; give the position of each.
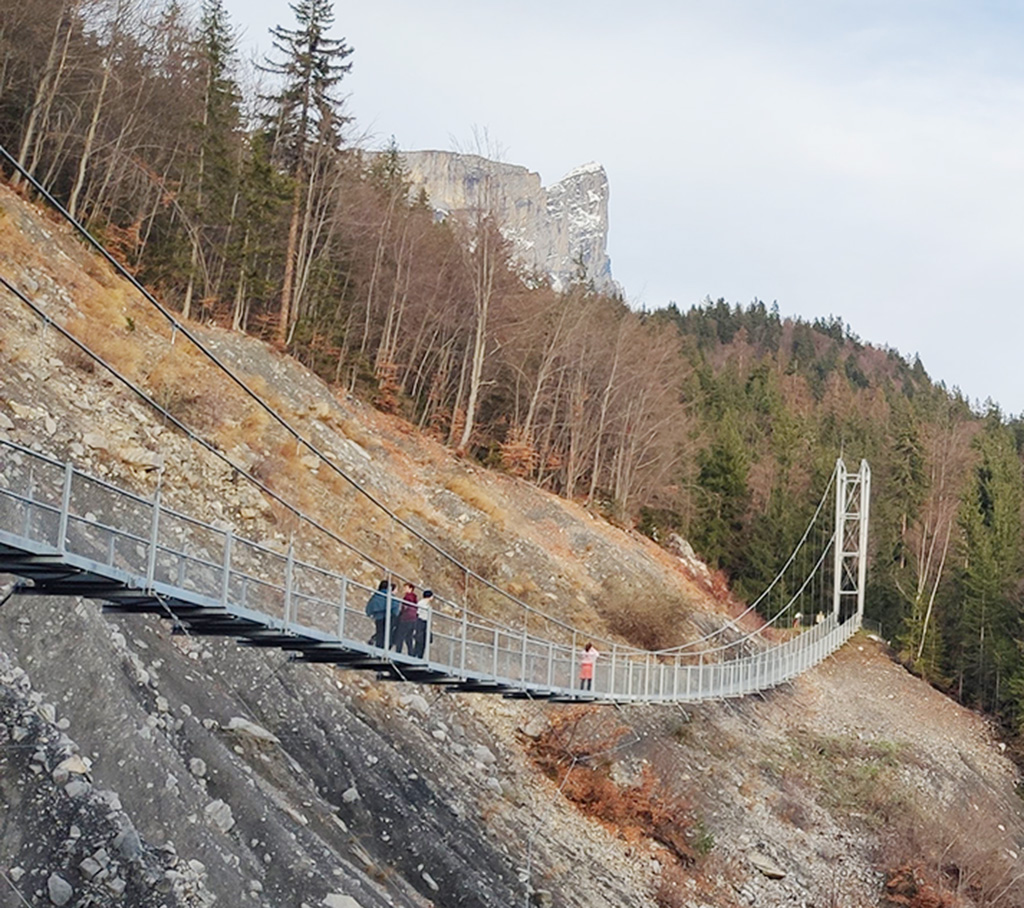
(377, 609)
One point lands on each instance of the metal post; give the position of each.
(388, 598)
(225, 584)
(522, 667)
(572, 660)
(551, 662)
(65, 507)
(154, 529)
(494, 659)
(288, 565)
(428, 631)
(465, 621)
(613, 681)
(341, 610)
(465, 634)
(862, 547)
(837, 539)
(26, 529)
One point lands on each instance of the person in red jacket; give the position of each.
(407, 616)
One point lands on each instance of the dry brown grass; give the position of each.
(116, 345)
(640, 617)
(673, 888)
(473, 494)
(909, 886)
(354, 432)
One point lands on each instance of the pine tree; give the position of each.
(722, 483)
(306, 123)
(990, 619)
(214, 194)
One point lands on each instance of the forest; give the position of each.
(241, 197)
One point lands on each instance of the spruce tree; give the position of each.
(990, 619)
(306, 121)
(216, 180)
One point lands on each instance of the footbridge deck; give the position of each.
(67, 533)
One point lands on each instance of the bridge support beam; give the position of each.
(850, 541)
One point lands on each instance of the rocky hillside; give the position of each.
(553, 228)
(143, 768)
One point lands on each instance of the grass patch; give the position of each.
(849, 777)
(476, 497)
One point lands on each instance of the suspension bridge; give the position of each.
(69, 533)
(65, 532)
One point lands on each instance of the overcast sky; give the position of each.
(849, 157)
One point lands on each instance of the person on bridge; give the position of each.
(422, 629)
(377, 609)
(406, 625)
(587, 661)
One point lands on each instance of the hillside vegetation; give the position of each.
(252, 208)
(128, 777)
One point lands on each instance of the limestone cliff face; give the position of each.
(554, 229)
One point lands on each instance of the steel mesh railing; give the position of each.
(49, 507)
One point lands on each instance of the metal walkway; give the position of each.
(72, 534)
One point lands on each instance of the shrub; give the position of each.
(573, 758)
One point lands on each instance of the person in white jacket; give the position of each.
(422, 629)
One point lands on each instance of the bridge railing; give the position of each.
(151, 548)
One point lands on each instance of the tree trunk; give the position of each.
(90, 139)
(284, 312)
(45, 94)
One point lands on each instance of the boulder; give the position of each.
(766, 866)
(219, 816)
(59, 890)
(251, 730)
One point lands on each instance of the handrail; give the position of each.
(180, 327)
(466, 645)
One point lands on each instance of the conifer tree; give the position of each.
(217, 158)
(306, 123)
(990, 622)
(722, 483)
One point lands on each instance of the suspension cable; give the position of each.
(733, 622)
(262, 404)
(298, 436)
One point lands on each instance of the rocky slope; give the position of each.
(554, 229)
(141, 768)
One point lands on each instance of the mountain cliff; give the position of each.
(558, 230)
(143, 768)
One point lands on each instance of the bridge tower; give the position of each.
(850, 542)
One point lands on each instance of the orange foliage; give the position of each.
(646, 810)
(518, 452)
(908, 886)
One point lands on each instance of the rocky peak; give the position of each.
(555, 230)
